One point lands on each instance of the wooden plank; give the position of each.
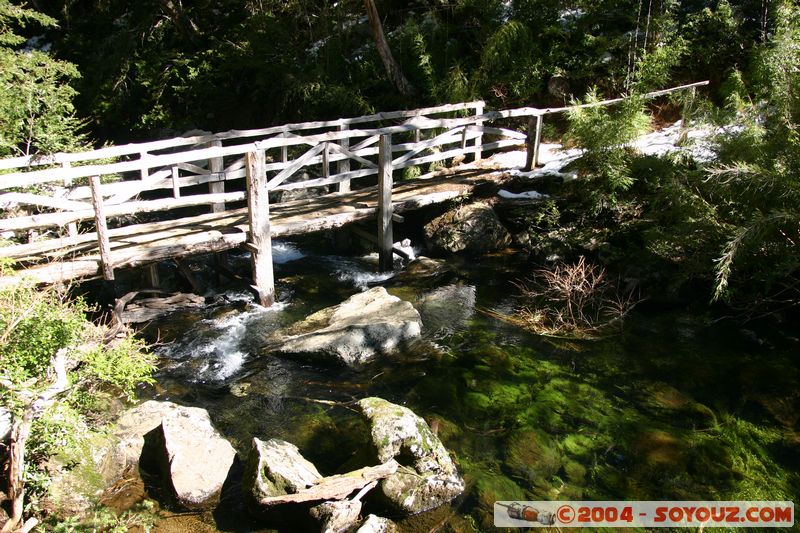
(296, 165)
(333, 180)
(422, 146)
(215, 167)
(146, 206)
(385, 233)
(102, 229)
(176, 186)
(42, 201)
(194, 169)
(260, 236)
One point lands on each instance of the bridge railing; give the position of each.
(116, 183)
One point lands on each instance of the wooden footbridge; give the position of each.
(83, 215)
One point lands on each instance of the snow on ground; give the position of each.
(553, 158)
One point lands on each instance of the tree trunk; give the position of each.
(392, 67)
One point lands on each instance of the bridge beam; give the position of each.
(260, 242)
(385, 233)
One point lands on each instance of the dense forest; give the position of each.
(718, 235)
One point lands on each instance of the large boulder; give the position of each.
(195, 457)
(362, 327)
(471, 228)
(275, 468)
(397, 432)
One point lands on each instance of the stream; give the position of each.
(679, 406)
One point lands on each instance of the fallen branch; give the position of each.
(336, 487)
(19, 435)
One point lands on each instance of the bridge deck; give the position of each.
(66, 259)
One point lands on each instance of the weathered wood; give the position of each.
(326, 161)
(296, 165)
(102, 230)
(16, 198)
(534, 139)
(385, 233)
(344, 165)
(176, 186)
(151, 276)
(336, 487)
(187, 273)
(215, 167)
(260, 236)
(144, 170)
(130, 208)
(374, 240)
(476, 155)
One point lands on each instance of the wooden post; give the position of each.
(284, 151)
(216, 169)
(176, 186)
(102, 229)
(144, 172)
(326, 161)
(151, 276)
(344, 164)
(479, 139)
(72, 227)
(260, 243)
(385, 234)
(534, 139)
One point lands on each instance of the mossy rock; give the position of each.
(489, 488)
(664, 400)
(574, 471)
(533, 455)
(577, 445)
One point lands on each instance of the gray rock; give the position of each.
(377, 524)
(423, 268)
(195, 457)
(336, 516)
(468, 228)
(397, 432)
(362, 327)
(275, 468)
(447, 308)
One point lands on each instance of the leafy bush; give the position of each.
(604, 134)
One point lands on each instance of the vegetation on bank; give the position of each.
(60, 376)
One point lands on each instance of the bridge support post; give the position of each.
(479, 139)
(534, 140)
(102, 229)
(385, 233)
(260, 242)
(344, 165)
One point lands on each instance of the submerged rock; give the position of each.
(469, 228)
(195, 457)
(274, 468)
(377, 524)
(447, 308)
(362, 327)
(399, 433)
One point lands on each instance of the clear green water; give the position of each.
(677, 407)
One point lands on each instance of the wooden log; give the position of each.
(102, 230)
(260, 238)
(187, 273)
(216, 167)
(385, 233)
(151, 276)
(344, 165)
(336, 487)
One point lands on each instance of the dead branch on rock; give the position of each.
(336, 487)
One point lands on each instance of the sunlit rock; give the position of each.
(364, 326)
(431, 478)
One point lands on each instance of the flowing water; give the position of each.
(679, 406)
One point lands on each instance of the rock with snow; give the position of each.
(195, 458)
(431, 478)
(469, 228)
(527, 195)
(364, 326)
(275, 468)
(378, 524)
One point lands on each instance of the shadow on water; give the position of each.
(678, 407)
